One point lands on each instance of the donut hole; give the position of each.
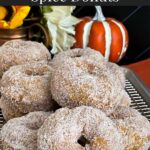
(77, 54)
(32, 126)
(83, 141)
(34, 73)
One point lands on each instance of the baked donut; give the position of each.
(21, 133)
(126, 101)
(83, 77)
(17, 52)
(26, 88)
(81, 128)
(134, 128)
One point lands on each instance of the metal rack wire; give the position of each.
(1, 124)
(138, 101)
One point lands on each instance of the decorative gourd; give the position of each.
(106, 35)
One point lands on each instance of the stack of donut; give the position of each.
(94, 109)
(25, 82)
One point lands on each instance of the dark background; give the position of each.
(137, 21)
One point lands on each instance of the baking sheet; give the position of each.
(139, 93)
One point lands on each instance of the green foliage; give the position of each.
(45, 9)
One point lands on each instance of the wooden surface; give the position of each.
(142, 69)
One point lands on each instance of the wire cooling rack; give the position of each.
(1, 124)
(137, 91)
(139, 94)
(138, 101)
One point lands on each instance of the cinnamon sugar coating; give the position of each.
(126, 100)
(26, 88)
(17, 52)
(63, 130)
(134, 128)
(83, 77)
(21, 133)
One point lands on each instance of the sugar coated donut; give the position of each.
(26, 88)
(21, 133)
(134, 128)
(17, 52)
(83, 77)
(81, 128)
(126, 100)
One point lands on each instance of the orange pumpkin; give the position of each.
(106, 35)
